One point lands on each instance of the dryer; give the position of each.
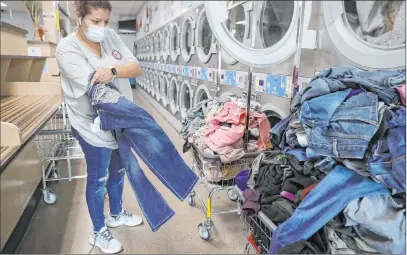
(263, 35)
(343, 41)
(164, 88)
(156, 80)
(206, 58)
(152, 47)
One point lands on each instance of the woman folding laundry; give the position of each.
(96, 51)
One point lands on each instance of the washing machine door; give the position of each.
(205, 41)
(152, 84)
(174, 41)
(188, 38)
(174, 94)
(274, 24)
(157, 86)
(202, 94)
(158, 46)
(165, 83)
(165, 44)
(371, 34)
(152, 47)
(274, 114)
(186, 98)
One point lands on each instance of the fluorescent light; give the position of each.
(3, 4)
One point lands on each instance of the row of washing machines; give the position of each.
(213, 50)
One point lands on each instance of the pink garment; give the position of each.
(218, 136)
(402, 93)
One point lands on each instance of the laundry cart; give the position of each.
(217, 176)
(259, 229)
(55, 143)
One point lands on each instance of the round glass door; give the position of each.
(152, 47)
(148, 79)
(152, 84)
(174, 42)
(186, 97)
(187, 39)
(272, 23)
(173, 95)
(165, 44)
(204, 39)
(158, 46)
(157, 86)
(371, 34)
(147, 42)
(164, 87)
(202, 93)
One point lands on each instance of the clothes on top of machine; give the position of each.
(326, 200)
(387, 164)
(380, 221)
(402, 93)
(378, 22)
(380, 82)
(340, 128)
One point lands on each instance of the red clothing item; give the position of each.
(307, 190)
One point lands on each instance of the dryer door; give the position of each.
(186, 98)
(173, 96)
(188, 39)
(165, 82)
(158, 46)
(152, 47)
(202, 93)
(152, 84)
(273, 23)
(165, 44)
(174, 41)
(204, 39)
(371, 34)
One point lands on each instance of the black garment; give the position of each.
(279, 211)
(316, 244)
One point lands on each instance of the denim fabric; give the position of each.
(278, 132)
(322, 203)
(388, 162)
(104, 169)
(380, 82)
(338, 128)
(149, 141)
(380, 221)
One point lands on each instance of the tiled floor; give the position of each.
(65, 226)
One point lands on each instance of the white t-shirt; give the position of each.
(76, 64)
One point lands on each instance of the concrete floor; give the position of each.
(65, 226)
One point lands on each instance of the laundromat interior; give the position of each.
(203, 127)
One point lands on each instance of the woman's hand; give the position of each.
(103, 75)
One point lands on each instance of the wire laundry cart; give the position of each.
(55, 143)
(259, 229)
(217, 176)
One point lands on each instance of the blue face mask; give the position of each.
(96, 33)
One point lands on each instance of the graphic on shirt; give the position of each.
(117, 55)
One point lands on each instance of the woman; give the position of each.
(95, 47)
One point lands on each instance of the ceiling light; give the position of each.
(3, 4)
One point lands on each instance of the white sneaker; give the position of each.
(123, 219)
(105, 241)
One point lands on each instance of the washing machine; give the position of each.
(157, 45)
(264, 35)
(343, 41)
(165, 44)
(156, 79)
(164, 88)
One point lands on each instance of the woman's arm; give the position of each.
(130, 69)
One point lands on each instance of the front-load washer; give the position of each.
(186, 96)
(164, 88)
(344, 42)
(157, 85)
(174, 88)
(263, 35)
(152, 47)
(187, 37)
(165, 44)
(175, 51)
(158, 53)
(152, 84)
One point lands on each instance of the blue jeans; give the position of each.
(324, 202)
(136, 129)
(104, 169)
(339, 128)
(380, 82)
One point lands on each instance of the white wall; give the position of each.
(20, 19)
(163, 12)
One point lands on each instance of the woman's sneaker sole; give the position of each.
(93, 243)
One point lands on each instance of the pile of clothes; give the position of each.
(216, 127)
(337, 183)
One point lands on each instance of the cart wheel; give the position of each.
(191, 200)
(204, 232)
(50, 197)
(232, 194)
